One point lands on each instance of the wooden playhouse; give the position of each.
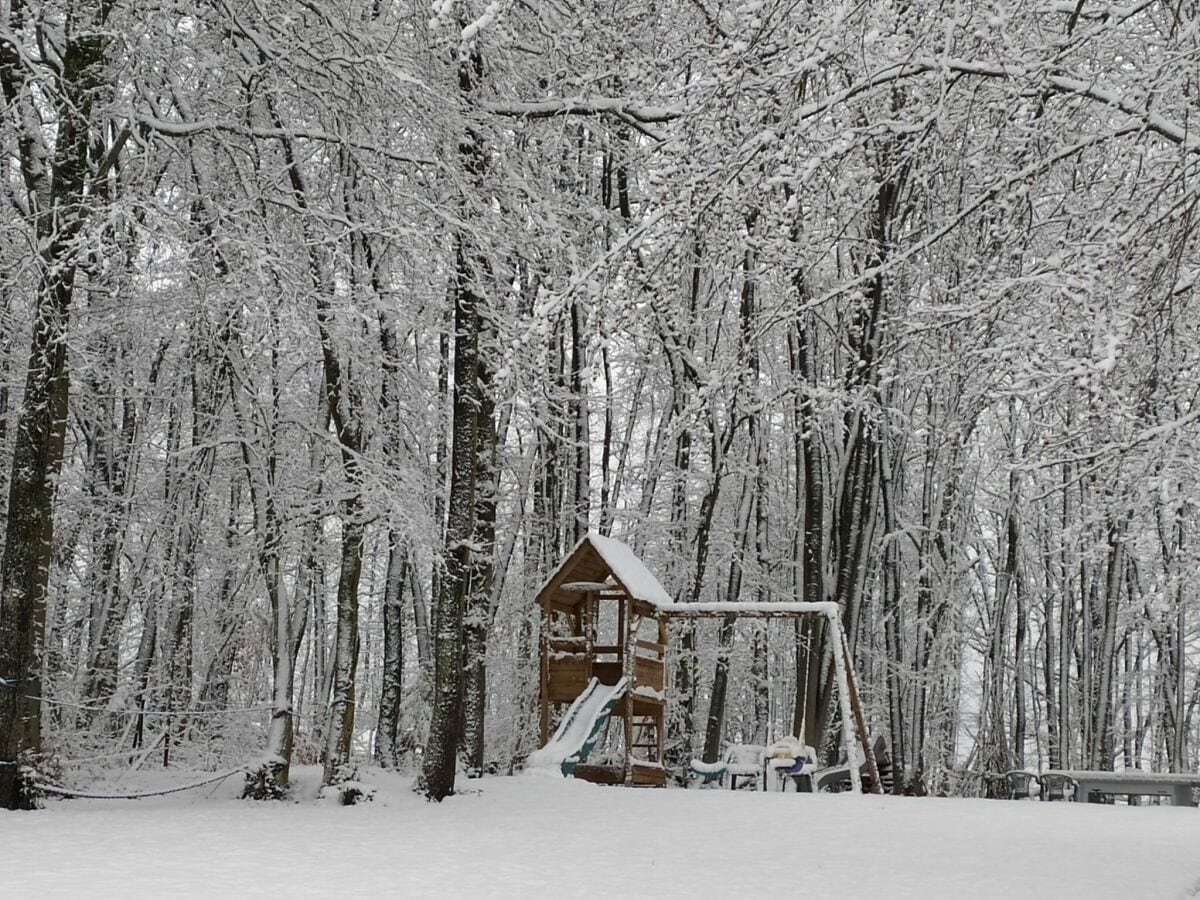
(600, 622)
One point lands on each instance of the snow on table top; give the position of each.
(1128, 775)
(492, 840)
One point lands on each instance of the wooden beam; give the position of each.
(860, 721)
(625, 630)
(544, 678)
(752, 613)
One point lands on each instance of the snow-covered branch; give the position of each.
(635, 114)
(1074, 8)
(1060, 83)
(183, 129)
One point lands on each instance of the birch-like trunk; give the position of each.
(393, 653)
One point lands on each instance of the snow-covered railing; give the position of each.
(651, 650)
(761, 609)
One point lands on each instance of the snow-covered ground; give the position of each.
(543, 836)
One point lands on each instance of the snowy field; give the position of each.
(547, 837)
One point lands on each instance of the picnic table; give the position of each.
(1093, 786)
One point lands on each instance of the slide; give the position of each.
(580, 728)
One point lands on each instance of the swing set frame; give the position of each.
(854, 724)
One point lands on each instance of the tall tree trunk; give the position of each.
(751, 521)
(580, 432)
(1066, 625)
(58, 202)
(1050, 674)
(995, 749)
(1020, 635)
(810, 631)
(340, 736)
(1102, 747)
(260, 458)
(892, 625)
(345, 405)
(441, 751)
(472, 443)
(714, 727)
(393, 653)
(481, 602)
(214, 692)
(110, 453)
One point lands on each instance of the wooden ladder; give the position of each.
(646, 737)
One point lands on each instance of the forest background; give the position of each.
(330, 327)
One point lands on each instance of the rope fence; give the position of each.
(16, 684)
(59, 791)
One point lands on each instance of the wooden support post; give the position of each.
(628, 633)
(544, 679)
(661, 720)
(593, 618)
(860, 721)
(623, 614)
(840, 664)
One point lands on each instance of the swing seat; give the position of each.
(708, 772)
(744, 762)
(797, 770)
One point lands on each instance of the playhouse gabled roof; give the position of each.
(596, 558)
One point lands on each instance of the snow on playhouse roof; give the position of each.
(618, 560)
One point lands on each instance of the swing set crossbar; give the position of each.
(747, 610)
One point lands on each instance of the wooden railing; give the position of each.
(572, 663)
(650, 649)
(649, 667)
(568, 676)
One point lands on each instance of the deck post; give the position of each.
(544, 677)
(625, 615)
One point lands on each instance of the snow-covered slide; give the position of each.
(580, 728)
